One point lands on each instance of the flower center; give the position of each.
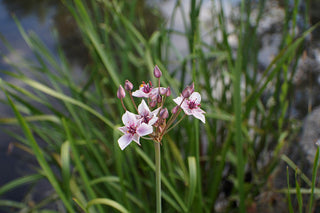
(132, 129)
(146, 118)
(146, 87)
(193, 105)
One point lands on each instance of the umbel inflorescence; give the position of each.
(152, 118)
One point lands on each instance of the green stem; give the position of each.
(158, 175)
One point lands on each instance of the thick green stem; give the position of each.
(158, 175)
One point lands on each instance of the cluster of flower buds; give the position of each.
(151, 118)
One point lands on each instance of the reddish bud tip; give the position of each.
(157, 72)
(175, 109)
(191, 87)
(128, 85)
(164, 113)
(121, 93)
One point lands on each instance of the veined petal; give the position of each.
(199, 115)
(129, 118)
(196, 97)
(123, 129)
(155, 91)
(199, 110)
(144, 129)
(187, 110)
(140, 94)
(153, 120)
(124, 141)
(178, 100)
(143, 108)
(136, 139)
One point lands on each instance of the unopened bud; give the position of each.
(163, 91)
(164, 113)
(186, 92)
(153, 103)
(121, 93)
(128, 85)
(159, 98)
(157, 72)
(175, 109)
(168, 93)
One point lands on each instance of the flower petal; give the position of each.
(196, 97)
(178, 100)
(140, 94)
(187, 111)
(199, 115)
(123, 129)
(143, 108)
(153, 120)
(129, 118)
(124, 141)
(144, 129)
(136, 138)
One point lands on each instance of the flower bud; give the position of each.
(152, 103)
(163, 91)
(157, 72)
(159, 98)
(168, 93)
(175, 109)
(121, 93)
(186, 92)
(128, 85)
(164, 113)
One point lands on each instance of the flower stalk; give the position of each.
(158, 176)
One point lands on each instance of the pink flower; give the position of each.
(132, 130)
(145, 115)
(147, 91)
(191, 105)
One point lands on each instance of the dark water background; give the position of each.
(36, 16)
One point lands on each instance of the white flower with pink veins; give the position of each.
(133, 130)
(191, 105)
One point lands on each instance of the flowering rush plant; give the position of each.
(151, 120)
(152, 117)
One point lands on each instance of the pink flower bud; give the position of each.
(128, 85)
(163, 91)
(175, 109)
(186, 92)
(153, 103)
(159, 98)
(121, 93)
(168, 93)
(157, 72)
(164, 113)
